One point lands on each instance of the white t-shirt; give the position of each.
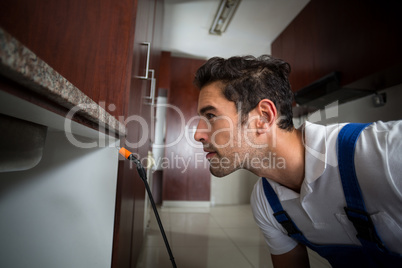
(318, 210)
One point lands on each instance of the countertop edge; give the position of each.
(21, 65)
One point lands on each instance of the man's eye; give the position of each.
(209, 116)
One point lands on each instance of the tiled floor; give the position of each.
(217, 237)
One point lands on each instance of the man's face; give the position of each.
(220, 131)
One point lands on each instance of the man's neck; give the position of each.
(290, 150)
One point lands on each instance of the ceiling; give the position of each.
(254, 26)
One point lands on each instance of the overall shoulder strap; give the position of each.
(280, 215)
(355, 209)
(347, 139)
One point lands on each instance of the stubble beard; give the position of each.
(223, 164)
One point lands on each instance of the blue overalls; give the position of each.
(373, 252)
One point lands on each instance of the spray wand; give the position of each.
(141, 171)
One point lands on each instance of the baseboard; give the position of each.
(186, 204)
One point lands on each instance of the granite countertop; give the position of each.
(21, 65)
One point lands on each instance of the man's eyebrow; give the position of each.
(206, 109)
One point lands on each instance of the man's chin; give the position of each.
(216, 173)
(220, 172)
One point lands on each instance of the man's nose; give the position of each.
(201, 133)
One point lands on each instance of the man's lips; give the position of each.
(210, 155)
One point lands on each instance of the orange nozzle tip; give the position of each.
(124, 152)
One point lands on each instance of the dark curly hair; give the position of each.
(247, 80)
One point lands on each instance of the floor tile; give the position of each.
(156, 257)
(211, 257)
(258, 256)
(192, 219)
(199, 237)
(245, 236)
(216, 237)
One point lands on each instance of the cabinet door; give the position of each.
(130, 199)
(139, 133)
(191, 182)
(87, 42)
(359, 39)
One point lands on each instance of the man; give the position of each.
(245, 108)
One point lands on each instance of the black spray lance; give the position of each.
(141, 171)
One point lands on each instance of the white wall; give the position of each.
(361, 110)
(233, 189)
(254, 26)
(61, 212)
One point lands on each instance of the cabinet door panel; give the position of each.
(359, 39)
(180, 183)
(87, 42)
(139, 128)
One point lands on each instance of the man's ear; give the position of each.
(267, 115)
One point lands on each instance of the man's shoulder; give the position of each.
(314, 130)
(381, 126)
(381, 134)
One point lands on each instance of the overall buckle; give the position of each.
(284, 219)
(364, 225)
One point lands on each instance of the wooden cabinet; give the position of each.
(87, 42)
(193, 181)
(98, 47)
(129, 220)
(359, 39)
